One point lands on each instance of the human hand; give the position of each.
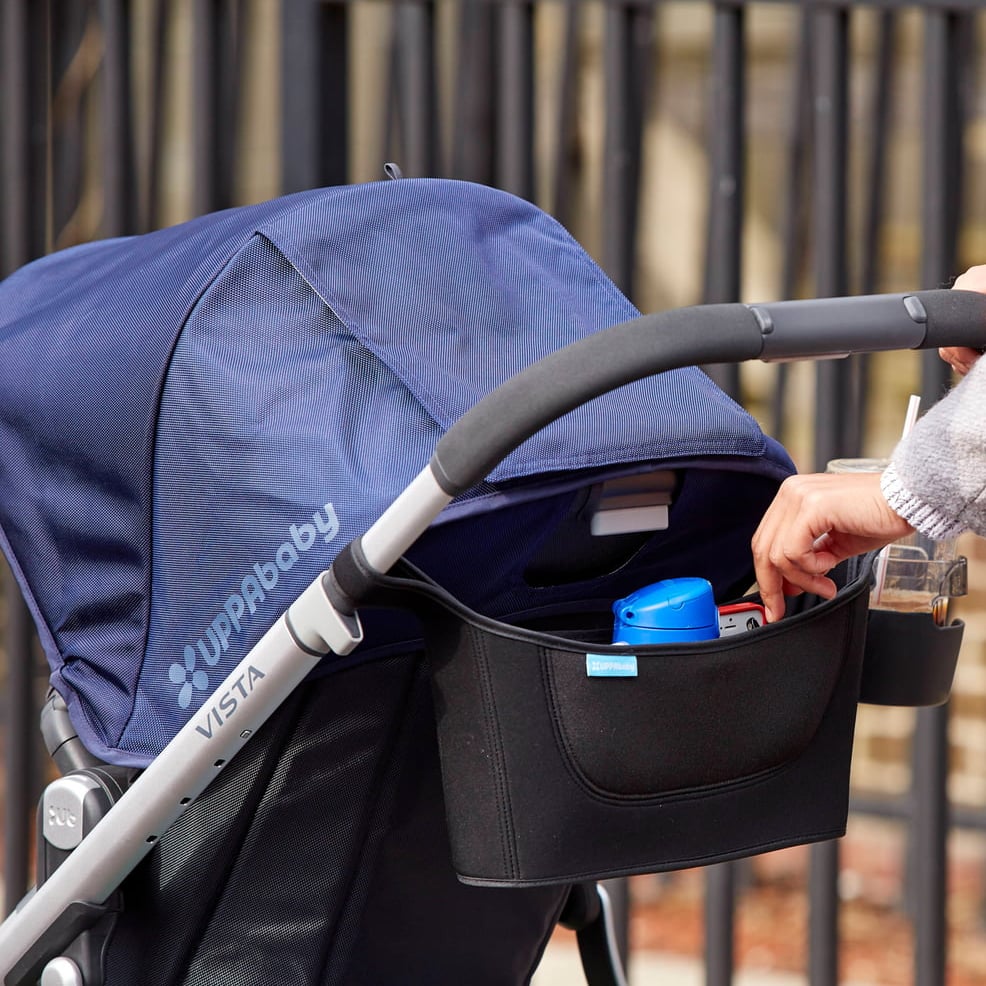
(814, 522)
(961, 358)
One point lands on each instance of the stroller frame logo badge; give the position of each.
(255, 586)
(228, 702)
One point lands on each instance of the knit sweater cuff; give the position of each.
(924, 518)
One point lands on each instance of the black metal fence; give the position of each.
(701, 150)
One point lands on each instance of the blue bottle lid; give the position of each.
(672, 604)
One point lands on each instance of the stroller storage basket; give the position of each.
(712, 750)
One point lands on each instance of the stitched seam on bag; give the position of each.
(504, 813)
(571, 760)
(662, 864)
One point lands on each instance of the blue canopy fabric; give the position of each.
(194, 422)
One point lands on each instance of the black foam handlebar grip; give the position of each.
(955, 318)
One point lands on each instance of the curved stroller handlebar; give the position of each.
(629, 351)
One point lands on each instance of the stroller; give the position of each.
(321, 507)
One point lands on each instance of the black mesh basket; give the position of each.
(714, 750)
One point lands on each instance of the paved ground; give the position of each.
(561, 967)
(771, 939)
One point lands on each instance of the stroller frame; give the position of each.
(324, 619)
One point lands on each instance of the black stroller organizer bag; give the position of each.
(714, 750)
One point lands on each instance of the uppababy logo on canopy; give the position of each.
(255, 586)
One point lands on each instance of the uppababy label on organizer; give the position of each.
(254, 588)
(611, 665)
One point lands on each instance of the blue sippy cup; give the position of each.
(667, 611)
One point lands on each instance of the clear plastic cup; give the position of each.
(914, 574)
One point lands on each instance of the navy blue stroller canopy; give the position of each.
(194, 422)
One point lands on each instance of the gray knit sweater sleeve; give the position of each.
(936, 479)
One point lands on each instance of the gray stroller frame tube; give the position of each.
(322, 619)
(251, 693)
(404, 521)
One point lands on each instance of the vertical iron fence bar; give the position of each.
(830, 117)
(389, 118)
(25, 87)
(69, 54)
(515, 103)
(218, 27)
(333, 84)
(723, 255)
(568, 98)
(15, 143)
(930, 858)
(23, 29)
(150, 188)
(941, 121)
(117, 137)
(720, 920)
(22, 731)
(884, 79)
(17, 246)
(626, 59)
(794, 217)
(474, 114)
(616, 156)
(231, 29)
(875, 186)
(416, 87)
(206, 179)
(301, 99)
(941, 173)
(314, 94)
(723, 267)
(823, 931)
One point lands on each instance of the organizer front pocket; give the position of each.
(692, 715)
